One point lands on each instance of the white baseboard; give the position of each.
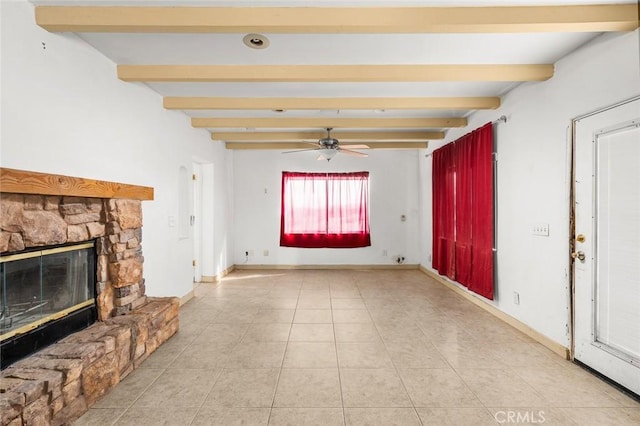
(184, 299)
(517, 324)
(217, 278)
(270, 267)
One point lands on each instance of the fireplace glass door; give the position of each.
(41, 286)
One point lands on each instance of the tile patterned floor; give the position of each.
(352, 348)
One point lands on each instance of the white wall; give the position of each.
(65, 111)
(393, 186)
(534, 176)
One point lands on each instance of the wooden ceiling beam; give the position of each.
(339, 20)
(301, 145)
(219, 103)
(320, 123)
(313, 136)
(333, 73)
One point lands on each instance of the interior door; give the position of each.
(607, 246)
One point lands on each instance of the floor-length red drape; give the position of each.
(482, 217)
(443, 174)
(463, 153)
(463, 214)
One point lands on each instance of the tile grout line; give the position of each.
(222, 370)
(284, 355)
(335, 345)
(395, 367)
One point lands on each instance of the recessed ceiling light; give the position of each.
(256, 41)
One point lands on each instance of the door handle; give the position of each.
(578, 255)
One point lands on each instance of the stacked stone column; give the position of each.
(121, 288)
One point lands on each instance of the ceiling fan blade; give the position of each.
(301, 150)
(355, 146)
(354, 153)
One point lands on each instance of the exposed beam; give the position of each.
(460, 103)
(299, 145)
(351, 123)
(333, 73)
(347, 20)
(313, 136)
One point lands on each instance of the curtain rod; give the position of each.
(501, 119)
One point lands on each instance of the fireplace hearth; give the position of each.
(41, 217)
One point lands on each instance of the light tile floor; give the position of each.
(352, 348)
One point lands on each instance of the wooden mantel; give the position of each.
(25, 182)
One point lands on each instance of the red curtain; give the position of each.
(482, 218)
(325, 210)
(444, 211)
(463, 149)
(463, 210)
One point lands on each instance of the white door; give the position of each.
(607, 246)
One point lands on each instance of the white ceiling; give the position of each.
(328, 49)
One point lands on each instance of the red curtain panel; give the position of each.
(325, 210)
(463, 156)
(462, 179)
(443, 176)
(482, 218)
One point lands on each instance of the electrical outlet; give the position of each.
(541, 229)
(265, 253)
(516, 298)
(384, 252)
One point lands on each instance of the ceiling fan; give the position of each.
(328, 147)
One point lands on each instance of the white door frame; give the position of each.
(196, 220)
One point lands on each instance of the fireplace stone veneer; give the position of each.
(28, 221)
(57, 384)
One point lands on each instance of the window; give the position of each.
(325, 210)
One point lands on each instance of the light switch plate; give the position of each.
(541, 229)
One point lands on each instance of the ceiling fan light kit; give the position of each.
(327, 154)
(328, 147)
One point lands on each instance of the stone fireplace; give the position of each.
(29, 221)
(58, 383)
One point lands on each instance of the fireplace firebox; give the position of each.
(45, 295)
